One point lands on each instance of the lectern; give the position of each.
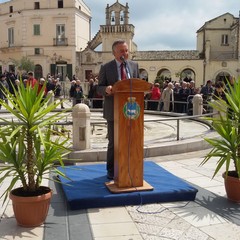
(128, 136)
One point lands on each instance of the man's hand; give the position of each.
(108, 90)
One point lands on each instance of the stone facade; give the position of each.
(47, 32)
(216, 56)
(56, 36)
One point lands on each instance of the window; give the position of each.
(36, 51)
(60, 30)
(60, 34)
(60, 3)
(11, 9)
(10, 37)
(36, 29)
(88, 74)
(224, 39)
(11, 68)
(36, 5)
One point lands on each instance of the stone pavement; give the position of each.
(210, 216)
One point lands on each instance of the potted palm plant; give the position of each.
(30, 151)
(226, 148)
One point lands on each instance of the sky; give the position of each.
(164, 24)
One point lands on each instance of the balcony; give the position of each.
(60, 41)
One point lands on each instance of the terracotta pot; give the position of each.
(31, 211)
(232, 186)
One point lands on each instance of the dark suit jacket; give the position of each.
(108, 75)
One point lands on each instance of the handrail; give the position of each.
(174, 118)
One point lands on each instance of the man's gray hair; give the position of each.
(120, 41)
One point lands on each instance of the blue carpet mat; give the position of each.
(87, 187)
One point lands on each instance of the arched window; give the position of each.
(223, 76)
(187, 75)
(164, 74)
(113, 18)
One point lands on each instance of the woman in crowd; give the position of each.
(168, 98)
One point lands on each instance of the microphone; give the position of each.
(123, 60)
(125, 66)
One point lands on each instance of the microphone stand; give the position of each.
(126, 69)
(130, 120)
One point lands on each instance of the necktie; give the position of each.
(123, 72)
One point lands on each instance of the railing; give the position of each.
(117, 28)
(60, 41)
(201, 118)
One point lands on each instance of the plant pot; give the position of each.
(232, 186)
(31, 211)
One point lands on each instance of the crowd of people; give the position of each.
(177, 96)
(10, 81)
(170, 97)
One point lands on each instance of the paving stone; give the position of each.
(194, 234)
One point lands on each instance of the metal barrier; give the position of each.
(201, 118)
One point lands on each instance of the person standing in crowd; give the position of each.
(177, 103)
(41, 85)
(72, 90)
(97, 100)
(57, 91)
(219, 91)
(78, 84)
(207, 91)
(77, 95)
(11, 77)
(91, 88)
(183, 96)
(155, 97)
(109, 74)
(192, 89)
(168, 98)
(3, 87)
(76, 92)
(50, 86)
(31, 80)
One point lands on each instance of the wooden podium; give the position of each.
(128, 136)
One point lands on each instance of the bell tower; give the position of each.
(117, 27)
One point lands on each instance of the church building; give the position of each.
(216, 57)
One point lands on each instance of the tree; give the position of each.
(24, 64)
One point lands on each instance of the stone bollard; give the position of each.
(197, 104)
(81, 126)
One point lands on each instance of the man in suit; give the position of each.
(109, 74)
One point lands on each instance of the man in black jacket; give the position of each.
(109, 74)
